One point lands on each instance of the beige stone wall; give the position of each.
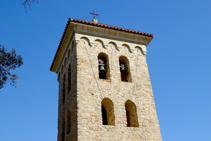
(91, 91)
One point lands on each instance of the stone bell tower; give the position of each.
(105, 92)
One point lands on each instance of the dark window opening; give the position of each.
(124, 72)
(103, 66)
(104, 116)
(68, 121)
(63, 89)
(124, 69)
(69, 78)
(63, 129)
(131, 114)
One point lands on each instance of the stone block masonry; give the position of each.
(111, 108)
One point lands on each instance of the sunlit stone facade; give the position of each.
(108, 109)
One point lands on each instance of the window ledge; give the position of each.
(105, 80)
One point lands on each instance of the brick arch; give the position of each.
(101, 42)
(127, 46)
(131, 114)
(140, 49)
(107, 109)
(85, 40)
(114, 44)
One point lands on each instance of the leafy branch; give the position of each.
(27, 4)
(9, 61)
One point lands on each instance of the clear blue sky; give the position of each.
(178, 59)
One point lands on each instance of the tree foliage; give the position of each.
(27, 3)
(9, 61)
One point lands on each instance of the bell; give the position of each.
(102, 68)
(122, 67)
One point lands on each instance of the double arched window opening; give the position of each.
(104, 70)
(108, 117)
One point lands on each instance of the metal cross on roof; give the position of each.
(93, 14)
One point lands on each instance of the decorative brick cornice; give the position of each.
(98, 25)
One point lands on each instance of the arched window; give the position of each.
(124, 69)
(131, 114)
(68, 121)
(63, 129)
(65, 62)
(103, 66)
(69, 54)
(63, 89)
(69, 78)
(62, 69)
(108, 117)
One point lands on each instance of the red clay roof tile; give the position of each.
(109, 26)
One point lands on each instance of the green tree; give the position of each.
(9, 61)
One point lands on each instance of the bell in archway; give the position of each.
(122, 67)
(102, 68)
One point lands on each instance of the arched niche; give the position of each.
(62, 69)
(103, 66)
(68, 53)
(124, 66)
(63, 88)
(131, 114)
(107, 109)
(65, 62)
(69, 78)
